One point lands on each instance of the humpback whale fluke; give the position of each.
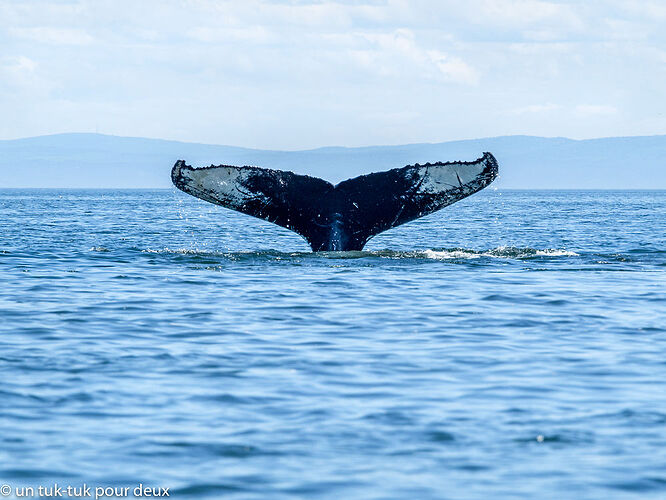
(340, 217)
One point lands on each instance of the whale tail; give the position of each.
(340, 217)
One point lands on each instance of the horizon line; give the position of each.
(173, 188)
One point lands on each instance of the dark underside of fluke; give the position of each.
(341, 217)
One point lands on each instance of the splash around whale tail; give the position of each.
(340, 217)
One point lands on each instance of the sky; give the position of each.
(304, 74)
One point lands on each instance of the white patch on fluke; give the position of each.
(438, 178)
(222, 184)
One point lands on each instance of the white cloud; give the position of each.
(583, 110)
(17, 70)
(249, 34)
(643, 9)
(592, 109)
(19, 65)
(306, 73)
(56, 36)
(536, 108)
(398, 54)
(453, 68)
(523, 13)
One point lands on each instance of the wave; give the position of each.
(501, 252)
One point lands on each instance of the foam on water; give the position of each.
(502, 252)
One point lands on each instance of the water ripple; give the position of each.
(511, 344)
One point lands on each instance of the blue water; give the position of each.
(512, 345)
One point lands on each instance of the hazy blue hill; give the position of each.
(94, 160)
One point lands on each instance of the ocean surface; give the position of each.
(512, 345)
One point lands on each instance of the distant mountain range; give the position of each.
(104, 161)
